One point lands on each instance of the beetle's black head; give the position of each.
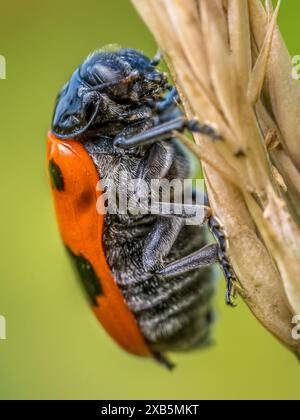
(104, 83)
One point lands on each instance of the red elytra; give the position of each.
(81, 227)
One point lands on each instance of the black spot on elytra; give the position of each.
(56, 176)
(88, 276)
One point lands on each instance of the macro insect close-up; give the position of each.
(150, 220)
(118, 113)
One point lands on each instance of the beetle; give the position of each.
(148, 277)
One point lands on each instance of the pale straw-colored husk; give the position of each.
(233, 71)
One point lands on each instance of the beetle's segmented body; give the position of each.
(173, 314)
(117, 113)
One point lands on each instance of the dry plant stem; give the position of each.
(281, 158)
(232, 70)
(281, 88)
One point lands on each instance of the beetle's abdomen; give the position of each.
(173, 314)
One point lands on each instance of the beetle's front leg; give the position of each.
(166, 103)
(164, 131)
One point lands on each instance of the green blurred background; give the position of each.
(55, 348)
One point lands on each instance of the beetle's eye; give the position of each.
(104, 74)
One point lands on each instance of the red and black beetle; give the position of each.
(147, 276)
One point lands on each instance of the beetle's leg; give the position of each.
(204, 257)
(217, 231)
(216, 253)
(139, 121)
(199, 212)
(171, 98)
(155, 166)
(164, 132)
(160, 242)
(156, 163)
